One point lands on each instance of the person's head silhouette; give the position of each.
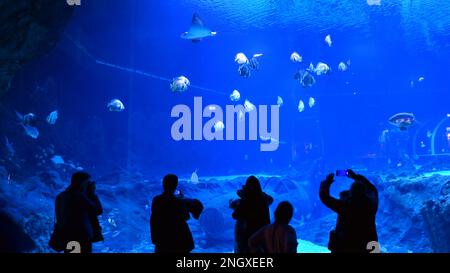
(252, 186)
(79, 181)
(170, 183)
(284, 213)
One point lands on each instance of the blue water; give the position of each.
(388, 46)
(131, 50)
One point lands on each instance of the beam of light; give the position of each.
(131, 70)
(83, 49)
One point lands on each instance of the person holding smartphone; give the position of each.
(356, 209)
(76, 211)
(170, 232)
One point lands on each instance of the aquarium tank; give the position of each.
(215, 91)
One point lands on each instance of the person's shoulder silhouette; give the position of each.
(251, 212)
(169, 230)
(76, 211)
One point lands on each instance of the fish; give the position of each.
(301, 106)
(219, 126)
(402, 120)
(373, 2)
(272, 140)
(308, 147)
(240, 58)
(254, 64)
(197, 31)
(279, 101)
(328, 40)
(384, 136)
(246, 66)
(58, 160)
(28, 119)
(244, 70)
(194, 177)
(115, 105)
(311, 102)
(322, 68)
(296, 58)
(342, 67)
(235, 96)
(249, 106)
(305, 78)
(420, 79)
(429, 134)
(112, 222)
(31, 131)
(52, 117)
(422, 144)
(9, 147)
(180, 84)
(241, 115)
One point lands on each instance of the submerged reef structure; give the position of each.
(436, 214)
(29, 29)
(413, 213)
(412, 216)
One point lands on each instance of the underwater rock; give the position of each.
(436, 214)
(29, 29)
(126, 198)
(316, 231)
(3, 173)
(13, 239)
(212, 223)
(403, 223)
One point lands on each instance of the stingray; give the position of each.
(198, 30)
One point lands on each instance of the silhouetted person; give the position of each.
(278, 237)
(76, 208)
(170, 232)
(251, 213)
(356, 209)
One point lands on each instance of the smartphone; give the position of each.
(341, 173)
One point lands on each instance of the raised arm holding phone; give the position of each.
(356, 209)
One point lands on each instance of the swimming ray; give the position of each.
(197, 31)
(196, 21)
